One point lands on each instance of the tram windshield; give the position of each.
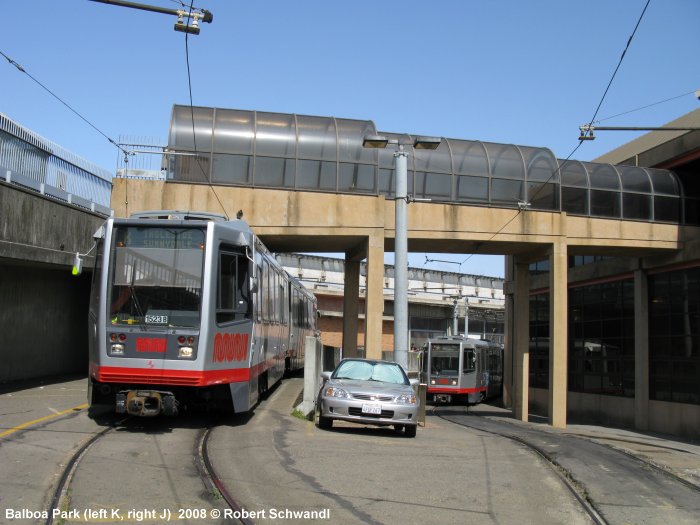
(444, 360)
(156, 276)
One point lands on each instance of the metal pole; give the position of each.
(466, 317)
(455, 319)
(401, 260)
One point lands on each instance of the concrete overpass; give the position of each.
(362, 227)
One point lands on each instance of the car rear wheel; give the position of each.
(410, 431)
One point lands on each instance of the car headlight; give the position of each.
(406, 399)
(335, 392)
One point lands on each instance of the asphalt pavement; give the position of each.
(677, 456)
(273, 460)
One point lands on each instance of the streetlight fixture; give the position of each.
(401, 236)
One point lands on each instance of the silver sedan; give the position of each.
(370, 392)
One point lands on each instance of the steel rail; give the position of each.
(211, 478)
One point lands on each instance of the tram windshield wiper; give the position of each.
(139, 311)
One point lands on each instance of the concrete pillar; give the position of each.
(558, 333)
(374, 305)
(508, 346)
(641, 351)
(351, 302)
(521, 341)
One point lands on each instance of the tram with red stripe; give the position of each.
(459, 369)
(190, 309)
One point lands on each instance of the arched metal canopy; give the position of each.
(310, 153)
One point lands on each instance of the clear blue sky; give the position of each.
(510, 71)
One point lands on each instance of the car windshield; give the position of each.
(371, 371)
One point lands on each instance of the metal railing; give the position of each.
(35, 163)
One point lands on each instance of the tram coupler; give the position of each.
(443, 398)
(146, 403)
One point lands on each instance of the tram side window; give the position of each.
(266, 300)
(283, 300)
(469, 363)
(233, 297)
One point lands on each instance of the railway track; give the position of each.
(211, 479)
(566, 478)
(231, 512)
(582, 469)
(60, 497)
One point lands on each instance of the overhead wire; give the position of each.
(602, 99)
(644, 107)
(194, 134)
(73, 110)
(562, 164)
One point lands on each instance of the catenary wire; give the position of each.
(643, 107)
(595, 113)
(629, 41)
(561, 165)
(194, 135)
(21, 69)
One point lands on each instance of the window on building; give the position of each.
(674, 336)
(539, 341)
(601, 338)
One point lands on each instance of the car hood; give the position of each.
(378, 387)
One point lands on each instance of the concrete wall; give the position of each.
(674, 418)
(37, 229)
(679, 419)
(601, 410)
(43, 308)
(43, 319)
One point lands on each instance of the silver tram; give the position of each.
(462, 369)
(190, 308)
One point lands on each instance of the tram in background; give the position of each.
(190, 309)
(459, 369)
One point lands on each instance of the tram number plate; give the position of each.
(157, 319)
(371, 408)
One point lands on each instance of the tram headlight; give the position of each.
(185, 352)
(432, 381)
(454, 382)
(405, 399)
(335, 392)
(116, 349)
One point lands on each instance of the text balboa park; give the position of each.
(87, 514)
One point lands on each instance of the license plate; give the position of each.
(368, 408)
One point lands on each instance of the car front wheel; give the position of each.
(325, 422)
(410, 431)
